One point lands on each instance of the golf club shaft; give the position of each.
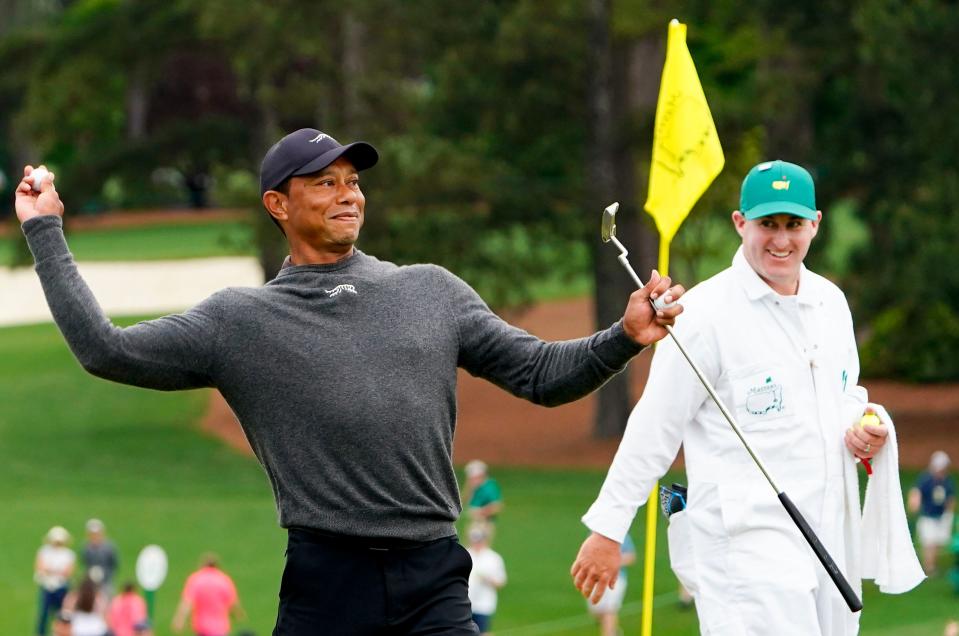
(699, 373)
(852, 600)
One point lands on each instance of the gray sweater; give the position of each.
(343, 376)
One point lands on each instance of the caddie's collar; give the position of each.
(756, 288)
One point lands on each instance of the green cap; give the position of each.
(778, 187)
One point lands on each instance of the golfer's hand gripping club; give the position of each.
(608, 233)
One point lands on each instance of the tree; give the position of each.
(892, 108)
(506, 127)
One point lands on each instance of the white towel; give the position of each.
(888, 555)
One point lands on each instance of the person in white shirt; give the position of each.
(88, 609)
(486, 578)
(776, 341)
(52, 570)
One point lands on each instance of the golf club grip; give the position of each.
(844, 588)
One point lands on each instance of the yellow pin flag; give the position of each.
(687, 155)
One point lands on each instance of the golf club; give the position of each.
(608, 232)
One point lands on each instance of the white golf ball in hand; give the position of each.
(38, 176)
(660, 303)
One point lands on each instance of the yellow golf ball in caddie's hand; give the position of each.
(870, 419)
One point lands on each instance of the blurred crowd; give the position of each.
(77, 597)
(483, 504)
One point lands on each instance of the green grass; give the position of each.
(72, 447)
(539, 534)
(154, 242)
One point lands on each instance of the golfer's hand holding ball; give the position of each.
(663, 302)
(868, 435)
(38, 176)
(36, 194)
(646, 324)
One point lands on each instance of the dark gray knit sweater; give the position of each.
(343, 376)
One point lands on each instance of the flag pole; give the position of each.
(649, 560)
(687, 156)
(649, 565)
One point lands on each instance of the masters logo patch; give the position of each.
(765, 398)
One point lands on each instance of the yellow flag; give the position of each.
(687, 155)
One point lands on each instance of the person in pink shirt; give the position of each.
(210, 595)
(126, 610)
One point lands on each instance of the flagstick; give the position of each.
(649, 566)
(680, 135)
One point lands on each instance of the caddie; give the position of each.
(342, 373)
(776, 341)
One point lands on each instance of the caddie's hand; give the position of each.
(865, 441)
(30, 203)
(596, 566)
(644, 324)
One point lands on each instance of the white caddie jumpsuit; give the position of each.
(787, 368)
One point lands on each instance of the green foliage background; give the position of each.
(481, 114)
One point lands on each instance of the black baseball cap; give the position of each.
(308, 150)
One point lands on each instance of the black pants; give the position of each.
(354, 587)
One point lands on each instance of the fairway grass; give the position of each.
(155, 242)
(73, 447)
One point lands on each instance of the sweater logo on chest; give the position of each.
(339, 289)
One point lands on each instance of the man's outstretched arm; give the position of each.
(553, 373)
(173, 352)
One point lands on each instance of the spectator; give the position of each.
(88, 609)
(52, 571)
(934, 498)
(486, 578)
(211, 596)
(127, 610)
(483, 493)
(100, 556)
(606, 610)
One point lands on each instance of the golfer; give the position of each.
(777, 343)
(342, 372)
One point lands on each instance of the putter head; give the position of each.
(608, 229)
